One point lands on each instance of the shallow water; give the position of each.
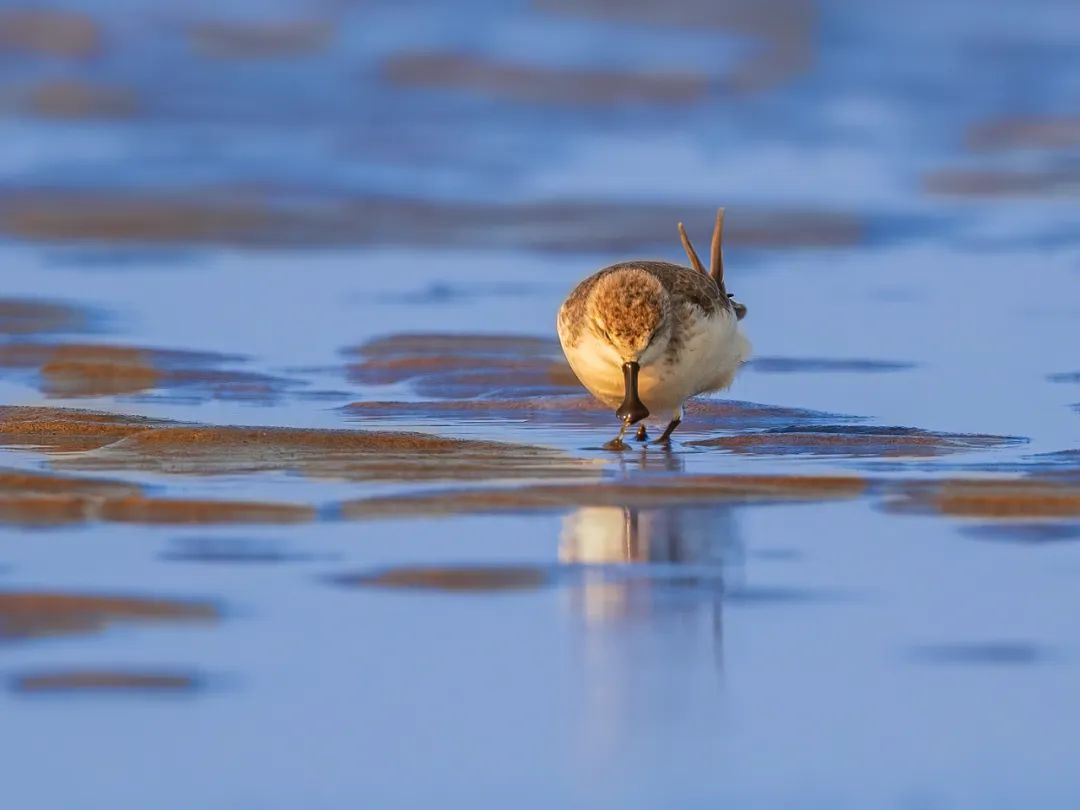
(850, 583)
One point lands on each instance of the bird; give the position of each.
(644, 336)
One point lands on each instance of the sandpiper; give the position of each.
(644, 336)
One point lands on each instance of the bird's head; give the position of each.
(629, 311)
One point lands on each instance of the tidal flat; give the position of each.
(301, 506)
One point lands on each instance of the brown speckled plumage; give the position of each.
(684, 287)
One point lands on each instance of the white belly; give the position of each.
(711, 351)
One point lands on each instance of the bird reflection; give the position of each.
(650, 459)
(649, 602)
(678, 557)
(680, 535)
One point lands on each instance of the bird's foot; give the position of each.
(665, 437)
(642, 434)
(617, 443)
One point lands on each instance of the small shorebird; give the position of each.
(644, 336)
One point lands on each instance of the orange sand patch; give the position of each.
(66, 429)
(651, 493)
(181, 512)
(89, 370)
(544, 85)
(115, 442)
(49, 33)
(343, 454)
(994, 498)
(224, 216)
(71, 99)
(1002, 182)
(1026, 133)
(784, 30)
(476, 579)
(103, 681)
(36, 499)
(261, 40)
(38, 614)
(24, 317)
(851, 440)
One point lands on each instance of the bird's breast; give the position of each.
(703, 355)
(598, 367)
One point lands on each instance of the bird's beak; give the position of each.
(632, 409)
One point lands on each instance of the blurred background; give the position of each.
(547, 125)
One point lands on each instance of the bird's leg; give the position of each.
(617, 443)
(665, 437)
(642, 434)
(676, 419)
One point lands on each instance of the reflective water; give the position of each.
(816, 599)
